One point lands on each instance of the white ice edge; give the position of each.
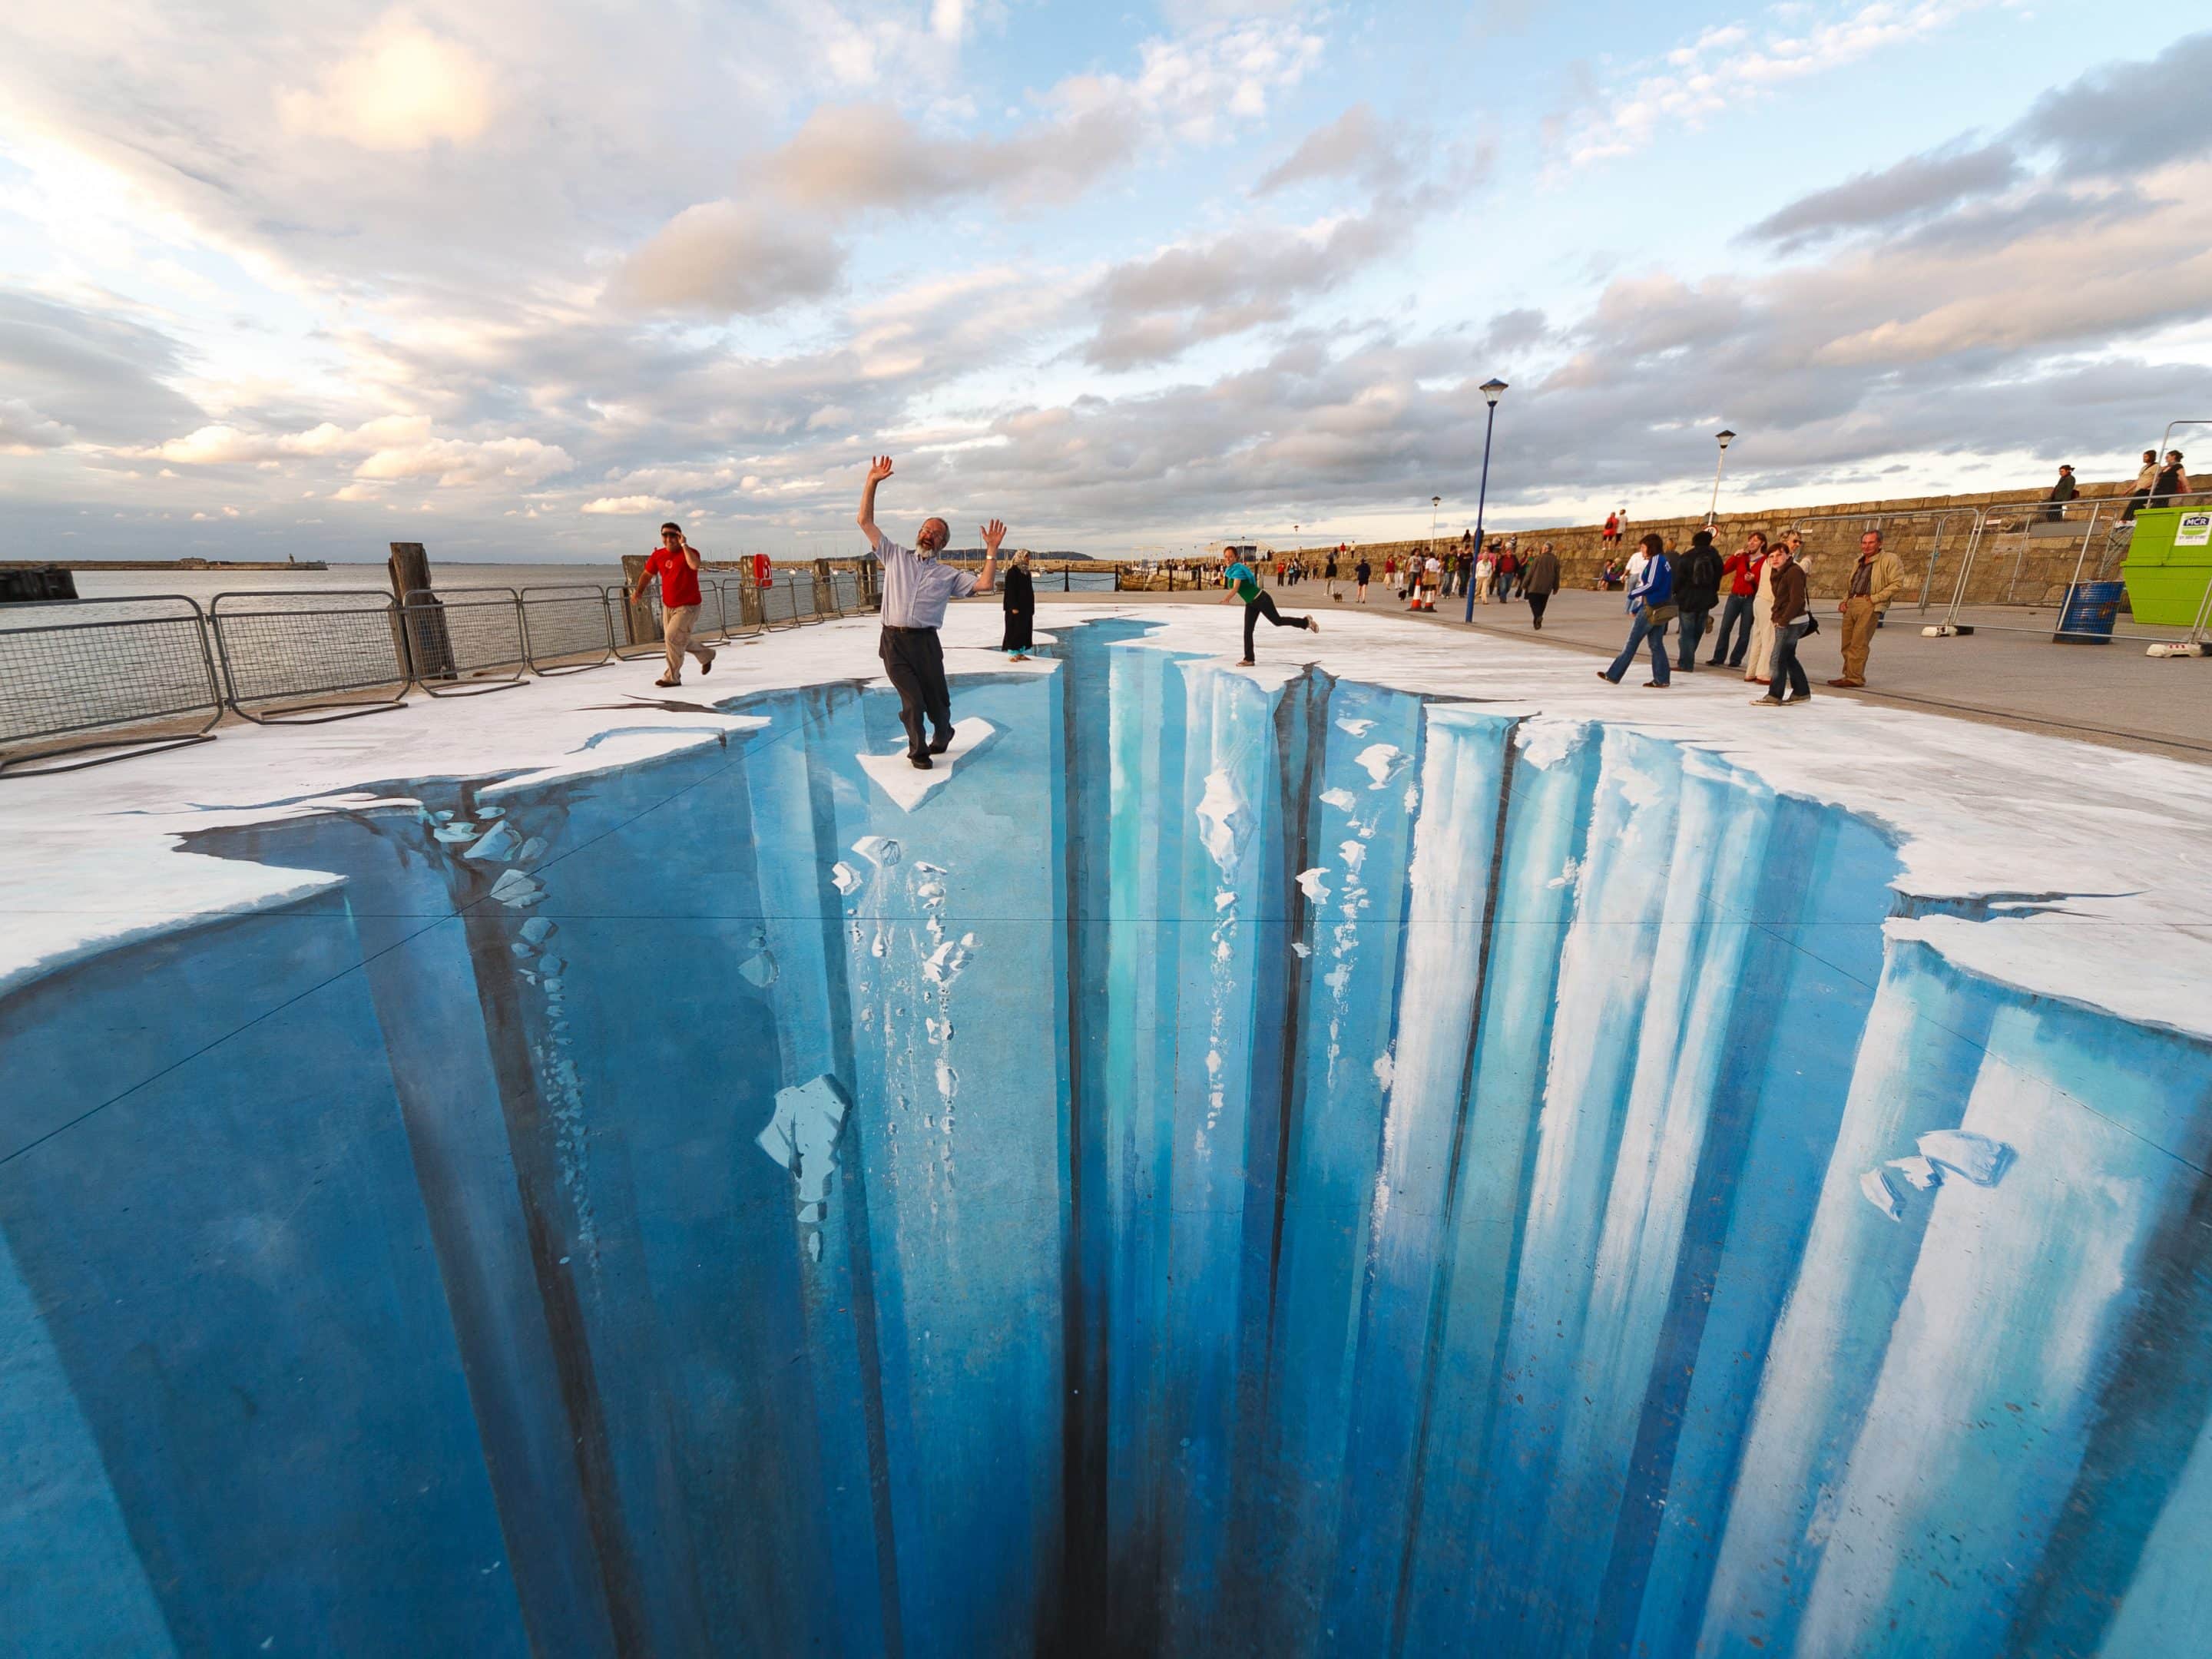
(1975, 810)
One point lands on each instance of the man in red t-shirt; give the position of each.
(676, 561)
(1742, 571)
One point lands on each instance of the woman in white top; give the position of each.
(1760, 657)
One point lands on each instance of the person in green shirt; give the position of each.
(1243, 584)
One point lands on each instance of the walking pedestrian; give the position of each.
(1020, 605)
(1760, 659)
(1360, 573)
(1652, 606)
(1742, 569)
(916, 586)
(1793, 621)
(1636, 562)
(1485, 572)
(1432, 577)
(1697, 591)
(1539, 582)
(1876, 579)
(675, 563)
(1243, 584)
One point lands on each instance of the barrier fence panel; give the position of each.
(2026, 558)
(632, 642)
(135, 668)
(730, 607)
(566, 628)
(846, 586)
(294, 659)
(464, 642)
(1917, 539)
(779, 604)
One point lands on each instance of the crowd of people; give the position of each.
(1764, 611)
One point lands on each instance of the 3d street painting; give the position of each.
(1386, 1155)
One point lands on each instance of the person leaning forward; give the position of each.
(916, 587)
(1876, 579)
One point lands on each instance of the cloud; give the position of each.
(24, 430)
(726, 259)
(1728, 67)
(103, 373)
(628, 504)
(1352, 145)
(1155, 309)
(401, 87)
(1916, 187)
(452, 462)
(2125, 118)
(868, 155)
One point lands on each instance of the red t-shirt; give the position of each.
(679, 582)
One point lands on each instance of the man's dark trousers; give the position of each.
(1693, 628)
(1735, 610)
(1265, 606)
(914, 662)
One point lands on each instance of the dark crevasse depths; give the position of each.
(1230, 1171)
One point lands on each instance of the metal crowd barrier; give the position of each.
(300, 658)
(68, 667)
(277, 648)
(566, 629)
(2097, 531)
(1893, 526)
(464, 642)
(628, 647)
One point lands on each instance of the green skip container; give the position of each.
(2169, 565)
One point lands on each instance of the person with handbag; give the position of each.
(1793, 620)
(1651, 607)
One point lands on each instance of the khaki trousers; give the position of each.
(676, 623)
(1858, 635)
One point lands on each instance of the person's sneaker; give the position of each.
(1606, 677)
(1802, 696)
(670, 682)
(1246, 662)
(1843, 682)
(1656, 685)
(1766, 703)
(941, 742)
(922, 762)
(1313, 627)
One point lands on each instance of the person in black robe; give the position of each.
(1020, 604)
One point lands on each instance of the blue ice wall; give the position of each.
(1234, 1169)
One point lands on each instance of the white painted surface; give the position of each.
(1977, 810)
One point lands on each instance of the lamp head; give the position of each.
(1492, 390)
(1725, 437)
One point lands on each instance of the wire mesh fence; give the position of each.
(780, 604)
(300, 658)
(740, 606)
(464, 642)
(137, 671)
(566, 627)
(2077, 559)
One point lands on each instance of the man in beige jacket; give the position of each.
(1876, 579)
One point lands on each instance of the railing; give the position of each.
(464, 642)
(70, 667)
(2083, 540)
(566, 629)
(278, 649)
(146, 674)
(1953, 521)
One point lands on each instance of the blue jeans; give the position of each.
(1691, 629)
(1737, 609)
(1640, 630)
(1788, 674)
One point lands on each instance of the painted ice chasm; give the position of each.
(1232, 1170)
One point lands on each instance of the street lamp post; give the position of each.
(1492, 390)
(1724, 437)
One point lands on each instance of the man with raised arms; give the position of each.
(915, 589)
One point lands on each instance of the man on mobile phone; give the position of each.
(916, 587)
(676, 561)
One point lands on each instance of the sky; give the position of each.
(521, 281)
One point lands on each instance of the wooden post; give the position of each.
(423, 635)
(641, 621)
